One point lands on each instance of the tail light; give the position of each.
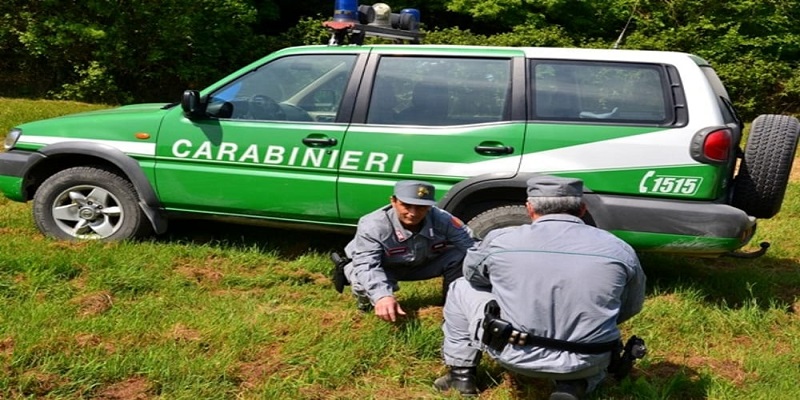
(712, 145)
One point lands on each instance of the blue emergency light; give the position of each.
(345, 10)
(351, 11)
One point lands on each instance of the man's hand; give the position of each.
(388, 309)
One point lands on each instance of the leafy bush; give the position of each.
(138, 50)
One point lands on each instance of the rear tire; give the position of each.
(88, 203)
(498, 217)
(764, 172)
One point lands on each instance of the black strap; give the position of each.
(523, 339)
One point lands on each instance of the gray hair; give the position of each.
(556, 205)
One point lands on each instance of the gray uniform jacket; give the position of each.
(381, 243)
(561, 279)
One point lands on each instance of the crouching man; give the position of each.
(408, 240)
(544, 299)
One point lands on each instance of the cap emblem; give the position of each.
(422, 192)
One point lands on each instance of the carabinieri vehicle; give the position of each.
(316, 136)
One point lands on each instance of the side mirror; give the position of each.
(192, 105)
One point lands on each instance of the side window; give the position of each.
(294, 88)
(619, 92)
(725, 106)
(439, 91)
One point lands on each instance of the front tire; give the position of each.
(83, 203)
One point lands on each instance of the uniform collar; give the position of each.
(402, 234)
(559, 217)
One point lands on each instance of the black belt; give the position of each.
(528, 339)
(497, 333)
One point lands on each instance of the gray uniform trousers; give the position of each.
(447, 265)
(463, 315)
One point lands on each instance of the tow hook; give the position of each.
(753, 254)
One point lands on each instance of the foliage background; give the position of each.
(122, 51)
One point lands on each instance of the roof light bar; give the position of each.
(352, 22)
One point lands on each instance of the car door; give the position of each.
(429, 116)
(272, 149)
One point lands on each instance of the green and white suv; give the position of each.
(316, 136)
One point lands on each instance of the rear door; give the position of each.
(622, 127)
(431, 115)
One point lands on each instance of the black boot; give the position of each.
(337, 273)
(462, 379)
(569, 390)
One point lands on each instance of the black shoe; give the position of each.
(569, 390)
(362, 303)
(337, 273)
(462, 379)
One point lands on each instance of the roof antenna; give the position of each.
(621, 34)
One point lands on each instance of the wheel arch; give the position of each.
(472, 196)
(59, 156)
(475, 195)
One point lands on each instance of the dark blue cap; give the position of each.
(554, 186)
(418, 193)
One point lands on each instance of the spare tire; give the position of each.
(760, 185)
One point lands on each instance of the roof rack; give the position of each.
(354, 33)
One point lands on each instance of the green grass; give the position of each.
(214, 311)
(17, 111)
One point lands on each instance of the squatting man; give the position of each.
(543, 299)
(410, 239)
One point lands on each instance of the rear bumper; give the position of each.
(672, 225)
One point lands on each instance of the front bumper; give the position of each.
(14, 164)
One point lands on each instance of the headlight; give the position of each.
(11, 138)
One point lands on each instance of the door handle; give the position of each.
(494, 150)
(320, 142)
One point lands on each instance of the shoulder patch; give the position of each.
(457, 222)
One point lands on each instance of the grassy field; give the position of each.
(212, 311)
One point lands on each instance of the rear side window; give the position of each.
(600, 92)
(440, 91)
(726, 107)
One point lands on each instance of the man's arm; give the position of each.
(459, 234)
(634, 292)
(367, 262)
(476, 270)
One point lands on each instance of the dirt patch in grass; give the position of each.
(6, 346)
(794, 175)
(68, 245)
(266, 364)
(136, 388)
(38, 383)
(379, 387)
(431, 314)
(665, 370)
(201, 275)
(94, 303)
(522, 387)
(182, 333)
(89, 340)
(12, 231)
(729, 370)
